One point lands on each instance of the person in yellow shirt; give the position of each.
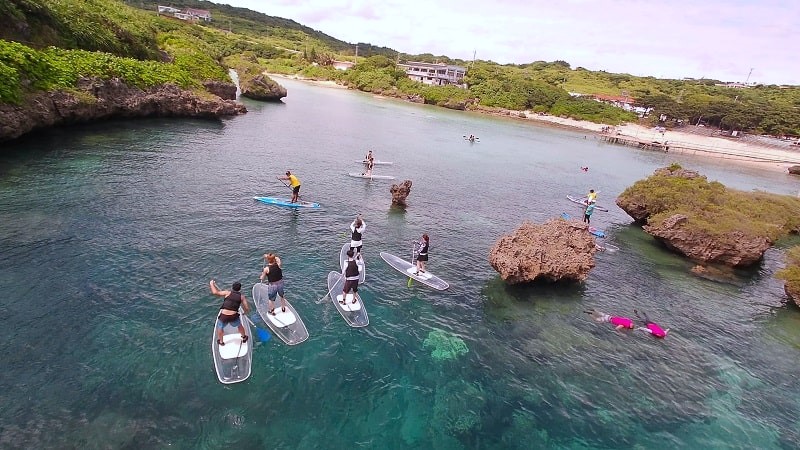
(591, 197)
(294, 183)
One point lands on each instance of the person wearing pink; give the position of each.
(618, 322)
(651, 327)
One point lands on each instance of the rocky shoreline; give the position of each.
(95, 99)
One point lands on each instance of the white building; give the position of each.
(435, 74)
(190, 14)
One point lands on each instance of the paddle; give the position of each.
(299, 196)
(263, 335)
(326, 295)
(413, 261)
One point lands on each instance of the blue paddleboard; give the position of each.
(277, 201)
(593, 230)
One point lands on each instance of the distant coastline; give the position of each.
(675, 141)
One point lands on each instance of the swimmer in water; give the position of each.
(618, 322)
(651, 327)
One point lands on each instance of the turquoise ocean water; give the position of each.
(110, 233)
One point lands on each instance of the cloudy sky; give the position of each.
(666, 39)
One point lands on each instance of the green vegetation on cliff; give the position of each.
(712, 208)
(791, 274)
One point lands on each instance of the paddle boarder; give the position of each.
(351, 273)
(651, 327)
(356, 230)
(294, 183)
(229, 311)
(368, 157)
(591, 197)
(422, 253)
(587, 213)
(618, 322)
(369, 165)
(273, 272)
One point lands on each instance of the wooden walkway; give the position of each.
(695, 149)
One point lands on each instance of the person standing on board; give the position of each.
(587, 213)
(229, 311)
(356, 230)
(591, 197)
(274, 275)
(368, 157)
(618, 322)
(422, 253)
(294, 183)
(351, 272)
(651, 327)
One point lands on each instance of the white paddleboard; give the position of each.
(370, 177)
(376, 162)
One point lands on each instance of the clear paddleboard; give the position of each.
(408, 269)
(354, 313)
(376, 162)
(370, 177)
(287, 325)
(233, 361)
(583, 201)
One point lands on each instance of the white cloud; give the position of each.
(680, 38)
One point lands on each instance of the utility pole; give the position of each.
(474, 52)
(748, 76)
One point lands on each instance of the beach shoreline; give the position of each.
(670, 141)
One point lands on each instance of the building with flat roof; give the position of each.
(435, 74)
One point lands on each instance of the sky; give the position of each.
(716, 39)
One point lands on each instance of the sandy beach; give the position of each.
(772, 157)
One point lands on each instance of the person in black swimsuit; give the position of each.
(274, 274)
(229, 312)
(422, 253)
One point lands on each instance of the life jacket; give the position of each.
(232, 302)
(624, 321)
(656, 330)
(275, 273)
(351, 271)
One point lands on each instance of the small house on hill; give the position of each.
(188, 14)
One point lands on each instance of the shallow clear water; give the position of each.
(111, 232)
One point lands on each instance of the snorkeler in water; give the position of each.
(650, 326)
(618, 322)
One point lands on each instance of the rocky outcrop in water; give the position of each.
(553, 251)
(103, 99)
(400, 192)
(734, 249)
(262, 87)
(794, 170)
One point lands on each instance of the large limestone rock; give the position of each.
(553, 251)
(102, 99)
(794, 170)
(262, 87)
(400, 192)
(735, 249)
(225, 91)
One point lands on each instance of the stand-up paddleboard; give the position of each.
(371, 177)
(583, 201)
(360, 261)
(287, 325)
(610, 248)
(593, 230)
(408, 269)
(376, 162)
(355, 314)
(232, 361)
(286, 202)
